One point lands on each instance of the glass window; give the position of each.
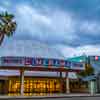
(34, 86)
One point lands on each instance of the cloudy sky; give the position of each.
(70, 26)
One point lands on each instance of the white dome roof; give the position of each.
(29, 48)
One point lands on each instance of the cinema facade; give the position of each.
(43, 73)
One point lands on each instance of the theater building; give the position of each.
(36, 69)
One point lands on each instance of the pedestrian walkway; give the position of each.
(50, 96)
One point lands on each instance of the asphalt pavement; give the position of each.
(73, 98)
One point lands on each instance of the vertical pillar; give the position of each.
(22, 82)
(92, 87)
(67, 83)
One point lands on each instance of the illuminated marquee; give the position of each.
(43, 62)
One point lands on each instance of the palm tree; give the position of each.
(7, 25)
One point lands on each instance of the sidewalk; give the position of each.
(50, 96)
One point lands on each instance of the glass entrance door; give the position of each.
(2, 87)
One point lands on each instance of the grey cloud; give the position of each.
(42, 21)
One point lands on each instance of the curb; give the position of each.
(47, 97)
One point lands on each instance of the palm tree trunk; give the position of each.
(1, 38)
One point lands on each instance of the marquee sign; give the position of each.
(44, 62)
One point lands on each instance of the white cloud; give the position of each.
(89, 49)
(30, 21)
(90, 27)
(68, 51)
(6, 3)
(57, 24)
(34, 14)
(31, 15)
(2, 9)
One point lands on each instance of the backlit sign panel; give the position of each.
(28, 61)
(43, 62)
(56, 62)
(12, 61)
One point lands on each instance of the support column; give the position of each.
(92, 87)
(22, 82)
(67, 83)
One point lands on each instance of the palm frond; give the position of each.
(1, 27)
(5, 17)
(9, 28)
(7, 25)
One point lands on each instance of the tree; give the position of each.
(7, 25)
(89, 70)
